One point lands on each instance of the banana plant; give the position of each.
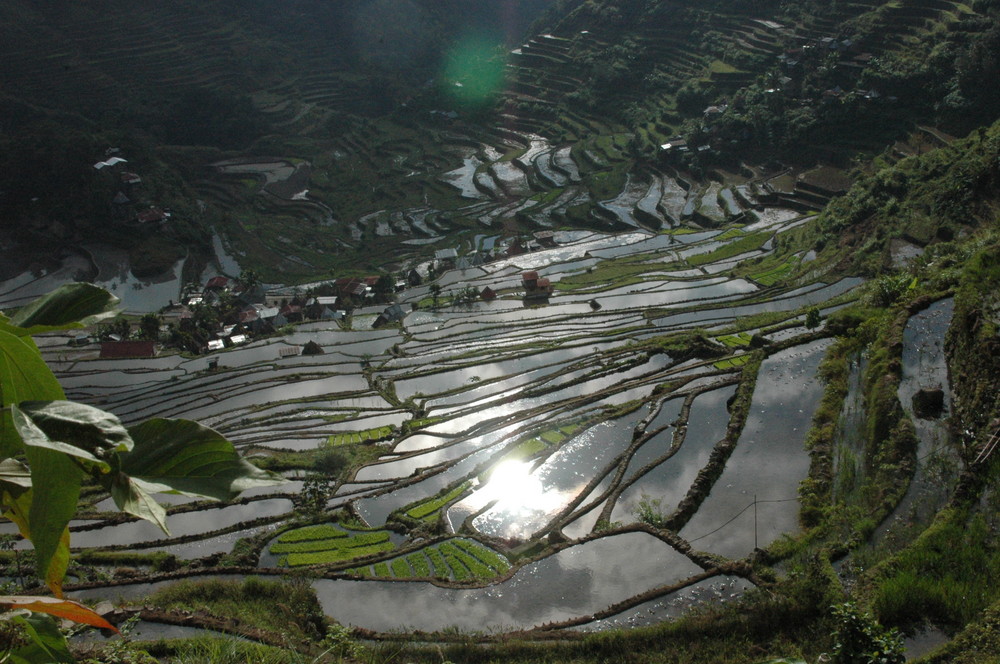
(49, 446)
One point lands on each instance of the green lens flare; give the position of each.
(474, 71)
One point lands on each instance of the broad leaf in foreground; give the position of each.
(17, 506)
(69, 306)
(60, 608)
(132, 498)
(56, 481)
(75, 429)
(47, 644)
(15, 475)
(182, 456)
(24, 376)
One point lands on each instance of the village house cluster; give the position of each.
(227, 312)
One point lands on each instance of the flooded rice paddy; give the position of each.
(552, 434)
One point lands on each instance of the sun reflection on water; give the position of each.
(521, 498)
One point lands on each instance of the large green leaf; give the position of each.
(55, 479)
(185, 457)
(24, 376)
(47, 644)
(131, 497)
(71, 428)
(15, 475)
(17, 506)
(69, 306)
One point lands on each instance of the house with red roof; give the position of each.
(217, 283)
(535, 287)
(120, 350)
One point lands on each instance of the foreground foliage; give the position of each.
(55, 445)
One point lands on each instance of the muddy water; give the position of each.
(576, 581)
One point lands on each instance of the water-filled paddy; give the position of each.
(769, 460)
(462, 388)
(574, 582)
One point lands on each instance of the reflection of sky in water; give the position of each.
(670, 481)
(526, 502)
(769, 460)
(925, 367)
(719, 589)
(189, 523)
(573, 582)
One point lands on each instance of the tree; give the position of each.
(250, 280)
(149, 326)
(384, 288)
(813, 318)
(435, 294)
(48, 441)
(118, 327)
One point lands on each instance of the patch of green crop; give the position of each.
(729, 235)
(354, 437)
(460, 557)
(336, 555)
(441, 570)
(419, 563)
(319, 532)
(382, 570)
(327, 544)
(775, 274)
(732, 362)
(735, 340)
(401, 568)
(744, 244)
(552, 437)
(459, 571)
(429, 507)
(491, 559)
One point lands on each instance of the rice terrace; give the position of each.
(617, 358)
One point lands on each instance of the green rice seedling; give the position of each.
(382, 570)
(401, 568)
(553, 437)
(419, 563)
(735, 248)
(321, 531)
(459, 572)
(775, 274)
(735, 340)
(363, 539)
(487, 556)
(337, 555)
(439, 564)
(455, 558)
(426, 508)
(732, 362)
(304, 547)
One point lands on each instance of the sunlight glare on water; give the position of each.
(518, 492)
